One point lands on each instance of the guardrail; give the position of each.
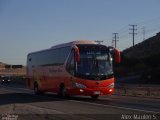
(138, 90)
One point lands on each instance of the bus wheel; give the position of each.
(95, 96)
(62, 91)
(36, 89)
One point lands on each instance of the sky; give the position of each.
(32, 25)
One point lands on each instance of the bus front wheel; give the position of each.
(36, 89)
(62, 91)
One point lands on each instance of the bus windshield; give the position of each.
(95, 63)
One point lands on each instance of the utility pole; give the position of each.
(114, 40)
(133, 31)
(143, 32)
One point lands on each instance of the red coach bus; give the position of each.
(74, 68)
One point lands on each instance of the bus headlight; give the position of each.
(111, 85)
(79, 85)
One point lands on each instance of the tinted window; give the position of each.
(49, 57)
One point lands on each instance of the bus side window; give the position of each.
(71, 63)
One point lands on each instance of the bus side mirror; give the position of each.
(117, 56)
(77, 54)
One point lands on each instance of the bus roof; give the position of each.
(77, 42)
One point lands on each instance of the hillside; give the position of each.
(142, 60)
(144, 49)
(2, 65)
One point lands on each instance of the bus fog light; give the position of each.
(81, 90)
(110, 90)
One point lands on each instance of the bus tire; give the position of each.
(36, 89)
(62, 91)
(94, 96)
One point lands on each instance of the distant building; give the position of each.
(12, 71)
(2, 66)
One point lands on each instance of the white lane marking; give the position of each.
(118, 107)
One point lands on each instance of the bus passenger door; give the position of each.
(70, 67)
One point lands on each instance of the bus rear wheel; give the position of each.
(94, 96)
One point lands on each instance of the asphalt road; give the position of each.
(20, 103)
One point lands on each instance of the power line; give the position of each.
(133, 31)
(151, 21)
(151, 26)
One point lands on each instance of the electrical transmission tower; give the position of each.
(114, 39)
(133, 31)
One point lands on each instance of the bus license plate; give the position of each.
(97, 92)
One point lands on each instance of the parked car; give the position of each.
(6, 80)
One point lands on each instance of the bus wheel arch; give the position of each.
(62, 90)
(36, 88)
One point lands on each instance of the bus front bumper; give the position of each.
(91, 91)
